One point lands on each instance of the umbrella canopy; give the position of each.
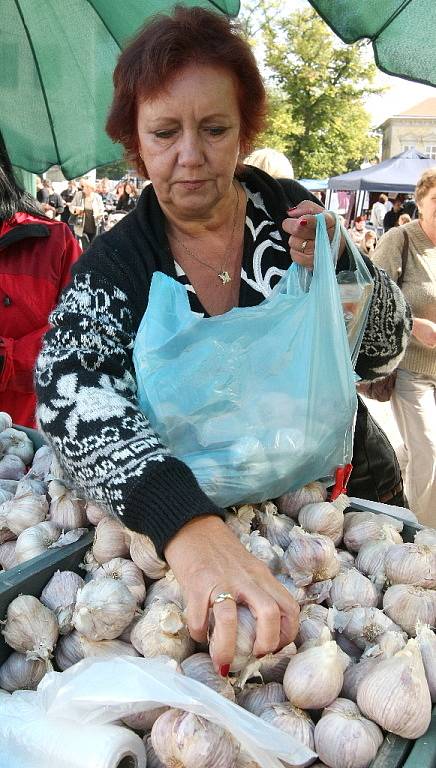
(398, 174)
(56, 64)
(402, 32)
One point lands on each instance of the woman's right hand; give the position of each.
(207, 559)
(425, 331)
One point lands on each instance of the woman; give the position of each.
(368, 243)
(127, 199)
(413, 400)
(271, 161)
(36, 255)
(188, 103)
(88, 211)
(357, 231)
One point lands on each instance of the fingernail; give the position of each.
(224, 670)
(292, 209)
(302, 222)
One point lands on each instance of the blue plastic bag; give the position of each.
(259, 400)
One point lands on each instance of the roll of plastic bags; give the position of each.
(97, 692)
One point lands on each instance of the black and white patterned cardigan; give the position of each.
(85, 377)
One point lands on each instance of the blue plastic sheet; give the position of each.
(259, 400)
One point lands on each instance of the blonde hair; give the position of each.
(271, 161)
(425, 184)
(404, 218)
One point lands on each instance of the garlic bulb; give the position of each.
(200, 667)
(30, 627)
(410, 564)
(143, 553)
(66, 510)
(426, 640)
(60, 594)
(245, 637)
(7, 555)
(125, 634)
(361, 527)
(395, 694)
(143, 721)
(107, 648)
(312, 620)
(310, 557)
(95, 512)
(5, 421)
(409, 605)
(291, 720)
(10, 486)
(36, 540)
(389, 644)
(103, 609)
(20, 673)
(13, 442)
(69, 650)
(183, 739)
(350, 589)
(346, 739)
(256, 698)
(322, 517)
(42, 462)
(111, 540)
(167, 590)
(272, 667)
(152, 760)
(314, 678)
(361, 625)
(29, 484)
(162, 631)
(426, 536)
(270, 554)
(125, 571)
(24, 511)
(318, 592)
(291, 503)
(12, 468)
(240, 519)
(371, 558)
(346, 560)
(298, 593)
(273, 526)
(347, 646)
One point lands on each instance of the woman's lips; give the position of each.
(192, 185)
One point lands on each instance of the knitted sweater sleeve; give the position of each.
(88, 412)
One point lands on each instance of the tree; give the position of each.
(316, 115)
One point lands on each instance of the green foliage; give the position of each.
(113, 170)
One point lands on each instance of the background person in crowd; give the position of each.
(36, 255)
(368, 243)
(413, 400)
(67, 195)
(378, 212)
(128, 198)
(87, 207)
(392, 216)
(357, 231)
(403, 219)
(51, 203)
(271, 161)
(189, 102)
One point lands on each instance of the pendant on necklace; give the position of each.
(224, 277)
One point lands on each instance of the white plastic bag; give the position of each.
(97, 692)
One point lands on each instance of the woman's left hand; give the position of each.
(301, 225)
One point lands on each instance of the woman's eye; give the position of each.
(216, 130)
(165, 134)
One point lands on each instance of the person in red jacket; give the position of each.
(36, 256)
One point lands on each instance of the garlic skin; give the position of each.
(270, 554)
(346, 739)
(162, 631)
(30, 627)
(12, 468)
(103, 609)
(245, 638)
(314, 678)
(13, 442)
(244, 760)
(183, 739)
(273, 526)
(29, 484)
(69, 650)
(144, 721)
(312, 621)
(290, 503)
(408, 605)
(395, 694)
(389, 644)
(200, 667)
(24, 511)
(240, 519)
(143, 553)
(371, 558)
(310, 557)
(7, 555)
(351, 589)
(167, 590)
(346, 560)
(426, 537)
(106, 648)
(111, 540)
(291, 720)
(36, 540)
(5, 496)
(361, 527)
(60, 594)
(152, 759)
(298, 593)
(318, 592)
(66, 510)
(41, 463)
(256, 698)
(324, 518)
(410, 564)
(426, 640)
(125, 571)
(361, 625)
(5, 533)
(273, 666)
(19, 673)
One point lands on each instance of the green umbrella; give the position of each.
(402, 32)
(56, 64)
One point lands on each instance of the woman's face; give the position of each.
(427, 208)
(127, 189)
(189, 140)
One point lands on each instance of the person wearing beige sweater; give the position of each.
(413, 400)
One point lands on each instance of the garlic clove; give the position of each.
(200, 667)
(346, 739)
(20, 673)
(256, 698)
(408, 605)
(184, 739)
(411, 564)
(351, 589)
(322, 517)
(310, 557)
(291, 720)
(290, 503)
(395, 694)
(111, 540)
(103, 609)
(143, 553)
(30, 627)
(314, 678)
(162, 631)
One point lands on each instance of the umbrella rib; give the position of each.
(109, 31)
(391, 18)
(29, 39)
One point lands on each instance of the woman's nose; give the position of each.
(190, 150)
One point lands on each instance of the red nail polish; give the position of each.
(224, 670)
(292, 209)
(303, 222)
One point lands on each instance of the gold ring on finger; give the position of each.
(303, 246)
(223, 596)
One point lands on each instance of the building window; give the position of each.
(430, 151)
(406, 147)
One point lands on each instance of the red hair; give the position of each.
(165, 45)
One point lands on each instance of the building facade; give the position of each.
(414, 129)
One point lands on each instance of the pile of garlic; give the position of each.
(363, 662)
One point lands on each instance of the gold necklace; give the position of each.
(223, 273)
